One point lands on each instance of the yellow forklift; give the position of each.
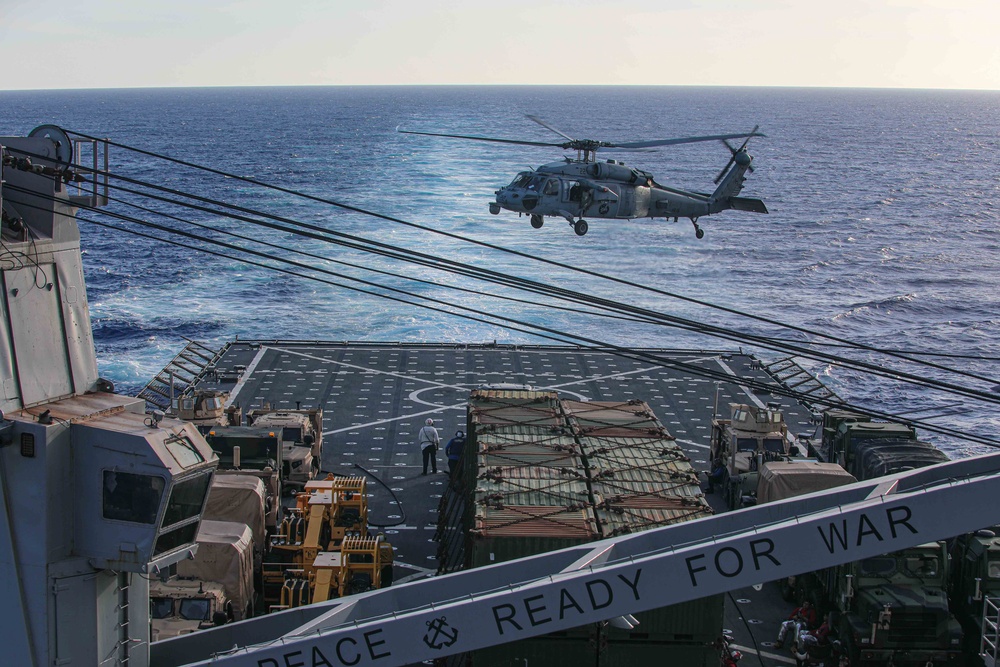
(322, 549)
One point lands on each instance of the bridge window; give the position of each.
(131, 497)
(183, 451)
(186, 499)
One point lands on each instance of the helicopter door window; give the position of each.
(552, 187)
(573, 191)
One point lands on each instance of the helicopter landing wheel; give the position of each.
(580, 227)
(537, 221)
(698, 231)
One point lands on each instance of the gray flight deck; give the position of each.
(376, 396)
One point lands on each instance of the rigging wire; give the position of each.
(343, 206)
(516, 325)
(522, 283)
(391, 274)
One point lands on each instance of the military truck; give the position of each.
(182, 606)
(243, 499)
(975, 584)
(205, 408)
(213, 588)
(751, 437)
(893, 609)
(779, 480)
(868, 448)
(246, 450)
(301, 441)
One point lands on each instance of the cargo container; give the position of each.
(541, 474)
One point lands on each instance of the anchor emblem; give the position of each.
(440, 633)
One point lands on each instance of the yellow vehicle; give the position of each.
(322, 549)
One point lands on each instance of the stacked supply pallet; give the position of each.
(541, 474)
(641, 479)
(530, 491)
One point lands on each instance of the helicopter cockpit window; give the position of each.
(552, 187)
(521, 180)
(536, 183)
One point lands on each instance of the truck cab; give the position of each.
(741, 444)
(182, 606)
(301, 441)
(246, 450)
(205, 409)
(893, 608)
(975, 580)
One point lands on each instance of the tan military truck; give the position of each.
(213, 588)
(243, 499)
(301, 441)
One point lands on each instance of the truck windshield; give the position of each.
(195, 609)
(923, 567)
(878, 567)
(774, 445)
(161, 607)
(993, 569)
(292, 433)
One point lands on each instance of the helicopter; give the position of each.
(575, 189)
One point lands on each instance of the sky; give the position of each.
(54, 44)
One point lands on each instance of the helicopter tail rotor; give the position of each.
(734, 152)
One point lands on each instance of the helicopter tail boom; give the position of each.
(725, 196)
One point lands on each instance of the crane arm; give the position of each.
(611, 578)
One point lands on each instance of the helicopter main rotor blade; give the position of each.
(684, 140)
(549, 127)
(499, 141)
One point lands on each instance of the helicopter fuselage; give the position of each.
(578, 189)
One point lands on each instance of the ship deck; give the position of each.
(376, 396)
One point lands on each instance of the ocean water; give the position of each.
(884, 225)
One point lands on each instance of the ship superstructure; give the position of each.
(96, 496)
